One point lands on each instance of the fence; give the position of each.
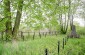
(33, 34)
(58, 46)
(22, 34)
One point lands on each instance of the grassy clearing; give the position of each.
(37, 46)
(76, 46)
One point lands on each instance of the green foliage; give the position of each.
(54, 22)
(38, 26)
(2, 24)
(62, 9)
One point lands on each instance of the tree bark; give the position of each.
(71, 23)
(70, 15)
(18, 17)
(7, 14)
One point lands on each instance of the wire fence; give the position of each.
(64, 43)
(22, 34)
(40, 34)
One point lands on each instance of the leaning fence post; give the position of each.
(58, 47)
(63, 43)
(46, 52)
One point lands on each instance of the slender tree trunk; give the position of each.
(18, 17)
(70, 15)
(7, 14)
(71, 21)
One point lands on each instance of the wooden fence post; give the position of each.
(58, 47)
(63, 43)
(34, 36)
(46, 52)
(49, 32)
(39, 34)
(22, 36)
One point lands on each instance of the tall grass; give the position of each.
(1, 48)
(38, 46)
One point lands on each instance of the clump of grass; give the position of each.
(81, 31)
(1, 48)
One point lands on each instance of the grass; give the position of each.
(76, 46)
(38, 46)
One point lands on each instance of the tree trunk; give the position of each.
(71, 21)
(7, 14)
(63, 24)
(18, 17)
(70, 15)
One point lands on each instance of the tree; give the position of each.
(7, 14)
(69, 9)
(63, 12)
(18, 17)
(72, 11)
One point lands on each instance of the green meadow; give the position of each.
(37, 46)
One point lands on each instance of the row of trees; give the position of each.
(52, 14)
(37, 14)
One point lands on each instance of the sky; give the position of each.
(0, 0)
(78, 19)
(83, 0)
